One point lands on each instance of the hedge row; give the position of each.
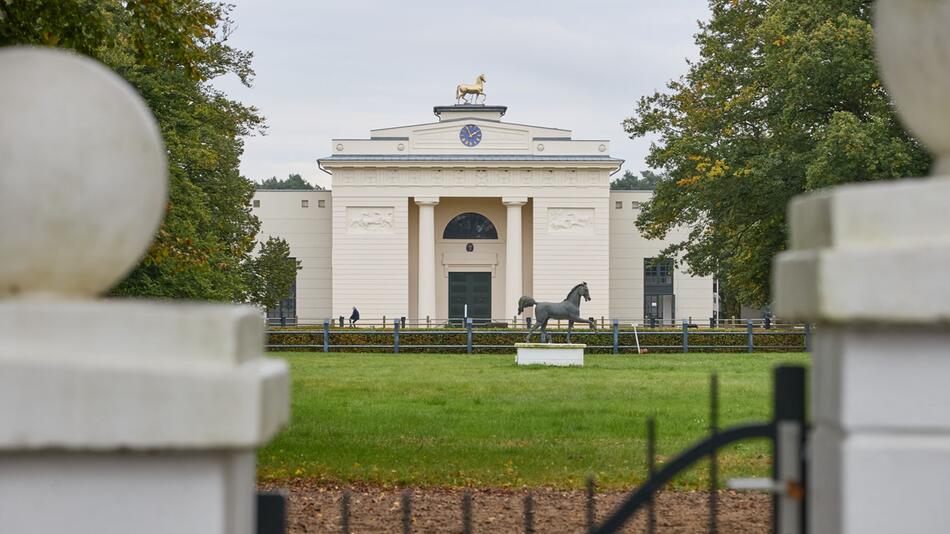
(501, 341)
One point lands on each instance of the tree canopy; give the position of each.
(271, 273)
(169, 50)
(631, 182)
(784, 98)
(293, 181)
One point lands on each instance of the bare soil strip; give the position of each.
(315, 507)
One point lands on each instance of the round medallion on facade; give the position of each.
(540, 147)
(400, 147)
(339, 147)
(470, 135)
(602, 148)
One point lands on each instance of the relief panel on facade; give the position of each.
(369, 220)
(571, 220)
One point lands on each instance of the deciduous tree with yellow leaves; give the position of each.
(784, 98)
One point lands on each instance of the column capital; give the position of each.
(426, 201)
(514, 201)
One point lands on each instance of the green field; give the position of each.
(456, 420)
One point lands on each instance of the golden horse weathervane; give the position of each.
(476, 89)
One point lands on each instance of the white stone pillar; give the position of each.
(115, 415)
(868, 264)
(426, 304)
(514, 264)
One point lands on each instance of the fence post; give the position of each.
(749, 341)
(527, 322)
(788, 408)
(616, 336)
(428, 322)
(326, 335)
(395, 336)
(685, 336)
(468, 334)
(712, 322)
(402, 322)
(807, 337)
(341, 321)
(768, 322)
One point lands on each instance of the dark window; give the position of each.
(321, 203)
(657, 272)
(257, 203)
(619, 204)
(470, 226)
(304, 203)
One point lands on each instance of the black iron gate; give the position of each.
(787, 433)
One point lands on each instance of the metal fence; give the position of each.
(471, 338)
(517, 322)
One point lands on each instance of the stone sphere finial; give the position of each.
(83, 175)
(913, 49)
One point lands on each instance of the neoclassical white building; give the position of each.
(464, 215)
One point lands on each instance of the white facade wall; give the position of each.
(628, 248)
(308, 232)
(370, 249)
(572, 245)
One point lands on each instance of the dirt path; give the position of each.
(316, 508)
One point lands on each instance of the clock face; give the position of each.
(470, 135)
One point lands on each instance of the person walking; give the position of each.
(355, 316)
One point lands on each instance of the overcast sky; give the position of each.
(336, 69)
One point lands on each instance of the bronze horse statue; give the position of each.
(569, 308)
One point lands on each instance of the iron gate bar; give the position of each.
(271, 513)
(696, 452)
(713, 457)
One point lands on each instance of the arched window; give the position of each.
(470, 226)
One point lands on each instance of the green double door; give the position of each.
(472, 289)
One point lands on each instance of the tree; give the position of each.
(169, 50)
(293, 181)
(271, 273)
(630, 182)
(784, 98)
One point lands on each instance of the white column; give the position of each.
(514, 265)
(426, 305)
(867, 263)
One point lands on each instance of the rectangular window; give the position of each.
(635, 205)
(321, 203)
(304, 203)
(257, 203)
(619, 204)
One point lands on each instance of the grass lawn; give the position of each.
(456, 420)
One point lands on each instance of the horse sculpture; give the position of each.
(476, 89)
(569, 308)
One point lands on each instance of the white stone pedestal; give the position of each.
(867, 264)
(116, 416)
(559, 354)
(129, 416)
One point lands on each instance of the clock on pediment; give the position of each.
(470, 135)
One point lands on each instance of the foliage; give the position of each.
(169, 50)
(450, 420)
(785, 98)
(271, 273)
(630, 182)
(293, 181)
